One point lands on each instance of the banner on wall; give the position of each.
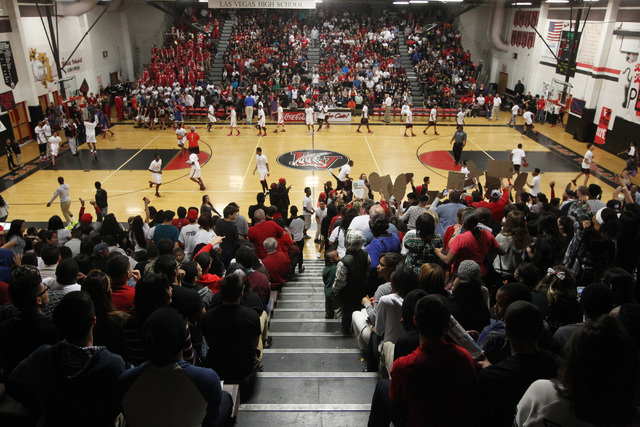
(603, 126)
(9, 72)
(262, 4)
(7, 101)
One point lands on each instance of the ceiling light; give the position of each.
(400, 2)
(418, 1)
(557, 1)
(521, 4)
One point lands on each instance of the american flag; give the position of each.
(555, 31)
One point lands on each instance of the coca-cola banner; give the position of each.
(332, 116)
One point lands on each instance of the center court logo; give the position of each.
(312, 160)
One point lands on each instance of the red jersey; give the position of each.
(193, 139)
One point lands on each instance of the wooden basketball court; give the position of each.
(123, 160)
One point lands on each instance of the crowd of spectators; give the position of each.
(520, 274)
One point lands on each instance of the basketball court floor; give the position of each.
(228, 162)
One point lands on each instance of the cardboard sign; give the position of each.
(358, 188)
(500, 168)
(492, 183)
(383, 184)
(455, 181)
(474, 172)
(432, 195)
(521, 180)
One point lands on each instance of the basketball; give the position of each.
(525, 164)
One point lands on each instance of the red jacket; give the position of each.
(496, 208)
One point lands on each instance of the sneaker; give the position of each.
(406, 136)
(437, 134)
(308, 133)
(358, 130)
(318, 255)
(230, 134)
(424, 131)
(202, 188)
(268, 342)
(283, 130)
(264, 135)
(150, 184)
(370, 131)
(238, 134)
(275, 131)
(573, 181)
(158, 195)
(413, 134)
(301, 270)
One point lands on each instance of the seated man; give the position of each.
(233, 332)
(434, 385)
(277, 263)
(74, 382)
(66, 277)
(119, 271)
(246, 257)
(196, 391)
(23, 334)
(493, 339)
(501, 386)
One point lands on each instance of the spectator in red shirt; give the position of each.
(496, 203)
(434, 385)
(261, 231)
(119, 271)
(276, 262)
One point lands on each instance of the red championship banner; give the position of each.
(603, 126)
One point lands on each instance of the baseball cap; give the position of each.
(496, 193)
(282, 181)
(192, 215)
(86, 218)
(99, 248)
(193, 128)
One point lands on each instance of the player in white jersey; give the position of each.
(408, 121)
(262, 166)
(323, 109)
(195, 169)
(460, 117)
(280, 119)
(90, 132)
(433, 118)
(54, 142)
(156, 174)
(233, 123)
(181, 134)
(364, 120)
(211, 115)
(308, 116)
(262, 120)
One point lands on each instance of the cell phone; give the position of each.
(580, 289)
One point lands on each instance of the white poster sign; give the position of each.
(262, 4)
(358, 188)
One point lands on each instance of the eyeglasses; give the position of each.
(46, 288)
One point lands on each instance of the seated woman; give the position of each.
(423, 245)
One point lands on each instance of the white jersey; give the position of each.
(515, 109)
(588, 158)
(211, 115)
(365, 112)
(280, 115)
(47, 130)
(195, 165)
(517, 155)
(90, 130)
(40, 135)
(308, 115)
(156, 168)
(181, 134)
(233, 118)
(261, 163)
(528, 117)
(460, 117)
(409, 115)
(261, 118)
(55, 141)
(535, 186)
(344, 171)
(433, 115)
(321, 113)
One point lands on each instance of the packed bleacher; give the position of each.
(535, 286)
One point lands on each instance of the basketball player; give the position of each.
(195, 169)
(262, 166)
(587, 161)
(280, 118)
(156, 174)
(262, 121)
(90, 132)
(408, 121)
(321, 115)
(365, 118)
(233, 124)
(181, 134)
(54, 142)
(308, 115)
(211, 115)
(433, 118)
